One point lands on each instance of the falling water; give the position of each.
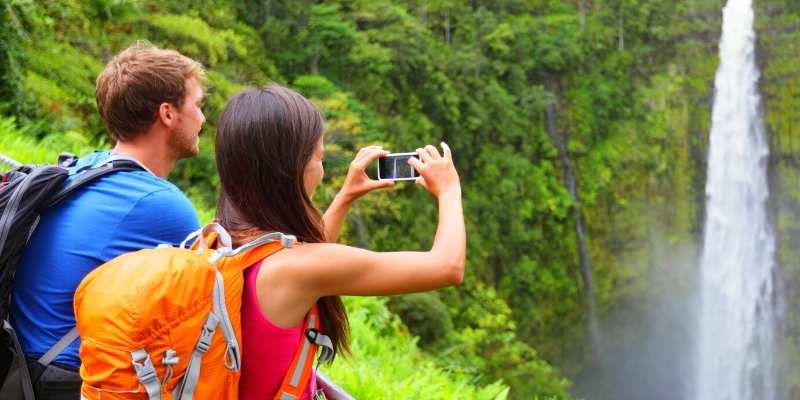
(737, 317)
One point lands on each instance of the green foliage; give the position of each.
(192, 35)
(386, 363)
(425, 315)
(622, 86)
(485, 343)
(20, 145)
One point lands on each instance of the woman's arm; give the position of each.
(334, 216)
(293, 279)
(358, 272)
(355, 185)
(326, 269)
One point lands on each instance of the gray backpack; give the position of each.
(25, 192)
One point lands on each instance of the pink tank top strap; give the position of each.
(267, 349)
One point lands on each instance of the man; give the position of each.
(150, 100)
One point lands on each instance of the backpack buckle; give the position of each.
(66, 159)
(312, 335)
(143, 366)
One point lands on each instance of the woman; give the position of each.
(269, 151)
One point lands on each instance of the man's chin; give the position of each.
(192, 152)
(189, 152)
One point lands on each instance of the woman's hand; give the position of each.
(438, 174)
(357, 182)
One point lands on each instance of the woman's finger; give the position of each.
(360, 154)
(446, 150)
(433, 152)
(424, 155)
(380, 183)
(372, 155)
(416, 163)
(369, 155)
(367, 149)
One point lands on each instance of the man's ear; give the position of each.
(166, 114)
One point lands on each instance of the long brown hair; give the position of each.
(265, 138)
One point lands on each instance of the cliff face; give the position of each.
(778, 30)
(652, 204)
(645, 249)
(645, 231)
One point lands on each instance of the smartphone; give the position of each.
(395, 167)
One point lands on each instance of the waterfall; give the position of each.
(737, 293)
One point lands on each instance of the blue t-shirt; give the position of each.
(116, 214)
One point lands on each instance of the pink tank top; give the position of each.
(267, 349)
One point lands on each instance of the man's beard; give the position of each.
(182, 144)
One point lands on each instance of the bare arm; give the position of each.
(358, 272)
(325, 269)
(295, 278)
(334, 217)
(292, 280)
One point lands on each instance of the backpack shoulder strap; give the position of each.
(299, 374)
(91, 174)
(18, 368)
(57, 348)
(256, 251)
(35, 185)
(246, 254)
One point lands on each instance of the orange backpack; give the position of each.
(165, 323)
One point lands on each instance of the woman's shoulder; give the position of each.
(306, 259)
(309, 253)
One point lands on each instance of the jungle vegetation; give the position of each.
(579, 129)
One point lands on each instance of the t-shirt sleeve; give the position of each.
(161, 217)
